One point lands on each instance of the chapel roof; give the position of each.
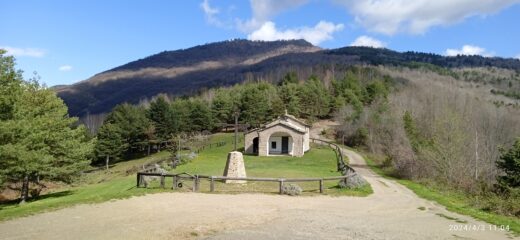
(283, 120)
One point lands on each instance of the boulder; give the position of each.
(353, 180)
(291, 189)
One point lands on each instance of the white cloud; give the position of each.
(261, 27)
(366, 41)
(65, 68)
(264, 10)
(24, 52)
(416, 17)
(315, 35)
(468, 50)
(210, 13)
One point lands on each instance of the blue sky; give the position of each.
(69, 41)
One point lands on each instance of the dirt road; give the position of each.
(392, 212)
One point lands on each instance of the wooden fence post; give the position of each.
(321, 185)
(281, 185)
(138, 179)
(175, 182)
(211, 184)
(197, 183)
(194, 187)
(162, 181)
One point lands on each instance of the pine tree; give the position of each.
(160, 115)
(10, 91)
(255, 104)
(132, 122)
(315, 99)
(152, 138)
(276, 105)
(109, 143)
(181, 111)
(352, 99)
(289, 78)
(375, 90)
(222, 106)
(10, 82)
(38, 140)
(352, 82)
(200, 116)
(509, 162)
(411, 130)
(289, 96)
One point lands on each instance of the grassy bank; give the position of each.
(320, 161)
(453, 201)
(119, 182)
(96, 187)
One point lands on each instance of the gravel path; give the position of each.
(392, 212)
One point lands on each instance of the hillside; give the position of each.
(188, 71)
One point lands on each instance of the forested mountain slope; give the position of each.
(188, 71)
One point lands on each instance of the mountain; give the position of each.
(188, 71)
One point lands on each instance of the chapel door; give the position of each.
(255, 145)
(285, 145)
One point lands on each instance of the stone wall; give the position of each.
(300, 141)
(297, 138)
(248, 142)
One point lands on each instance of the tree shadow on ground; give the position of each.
(11, 203)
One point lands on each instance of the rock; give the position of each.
(353, 180)
(148, 179)
(192, 155)
(235, 167)
(291, 189)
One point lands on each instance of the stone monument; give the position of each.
(235, 167)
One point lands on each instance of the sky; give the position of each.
(68, 41)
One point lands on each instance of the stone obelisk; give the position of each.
(235, 167)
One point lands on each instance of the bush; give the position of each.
(502, 204)
(359, 138)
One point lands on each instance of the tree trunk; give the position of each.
(148, 153)
(106, 161)
(476, 155)
(25, 189)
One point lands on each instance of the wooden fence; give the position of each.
(212, 179)
(150, 167)
(209, 146)
(342, 166)
(179, 177)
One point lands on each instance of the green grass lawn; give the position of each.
(320, 161)
(118, 182)
(99, 186)
(453, 201)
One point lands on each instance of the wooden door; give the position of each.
(285, 145)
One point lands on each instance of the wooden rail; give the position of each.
(196, 180)
(342, 166)
(211, 145)
(198, 150)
